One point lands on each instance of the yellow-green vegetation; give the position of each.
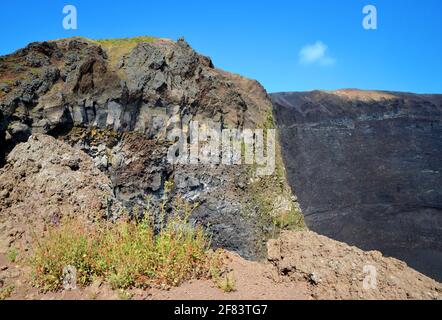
(272, 194)
(6, 292)
(93, 295)
(223, 279)
(124, 295)
(117, 48)
(270, 120)
(106, 136)
(8, 82)
(12, 255)
(126, 253)
(227, 283)
(267, 195)
(291, 219)
(95, 136)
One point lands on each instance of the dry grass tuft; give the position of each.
(117, 48)
(126, 253)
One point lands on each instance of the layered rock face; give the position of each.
(118, 101)
(367, 167)
(51, 87)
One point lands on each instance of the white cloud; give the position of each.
(315, 54)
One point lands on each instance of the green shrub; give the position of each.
(126, 253)
(12, 255)
(227, 283)
(220, 274)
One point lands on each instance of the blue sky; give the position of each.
(291, 45)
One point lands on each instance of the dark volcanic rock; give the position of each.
(118, 101)
(367, 167)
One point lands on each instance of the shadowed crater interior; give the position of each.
(367, 169)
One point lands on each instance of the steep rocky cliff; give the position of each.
(117, 101)
(367, 167)
(85, 131)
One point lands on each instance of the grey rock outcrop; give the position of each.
(118, 100)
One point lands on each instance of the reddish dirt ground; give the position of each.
(302, 266)
(253, 281)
